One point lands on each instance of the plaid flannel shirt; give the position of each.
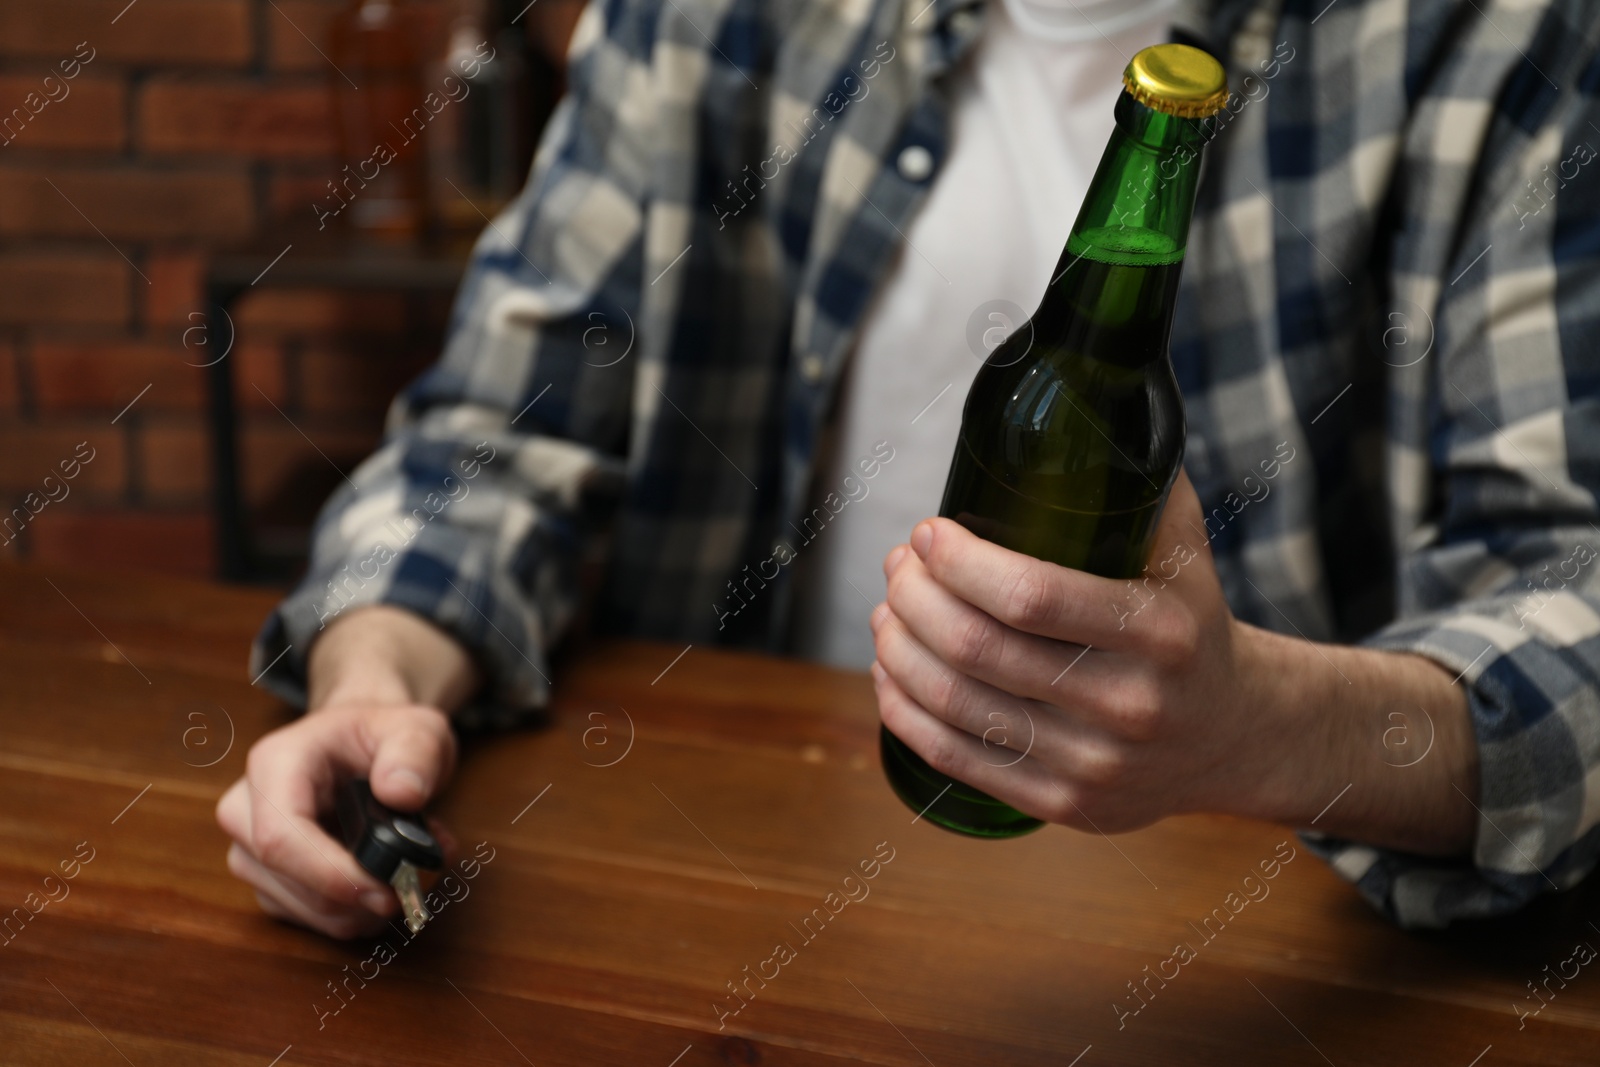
(1392, 279)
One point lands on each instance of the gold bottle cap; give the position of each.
(1176, 79)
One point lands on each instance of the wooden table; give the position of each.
(621, 900)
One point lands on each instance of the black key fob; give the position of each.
(381, 838)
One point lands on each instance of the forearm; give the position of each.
(387, 655)
(1368, 745)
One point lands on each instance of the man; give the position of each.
(751, 250)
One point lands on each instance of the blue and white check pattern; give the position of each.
(1394, 270)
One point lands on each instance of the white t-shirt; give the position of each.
(1030, 120)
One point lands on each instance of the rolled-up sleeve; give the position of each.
(501, 466)
(1500, 582)
(1530, 663)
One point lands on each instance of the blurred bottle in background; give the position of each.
(381, 191)
(439, 109)
(483, 142)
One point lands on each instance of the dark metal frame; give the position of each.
(229, 276)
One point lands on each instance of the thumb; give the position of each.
(416, 751)
(1181, 522)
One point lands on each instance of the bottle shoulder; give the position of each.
(1045, 412)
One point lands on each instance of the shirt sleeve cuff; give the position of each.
(442, 578)
(1534, 714)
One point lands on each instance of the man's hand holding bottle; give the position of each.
(1034, 683)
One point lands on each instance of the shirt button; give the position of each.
(811, 369)
(915, 163)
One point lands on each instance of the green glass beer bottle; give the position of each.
(1073, 431)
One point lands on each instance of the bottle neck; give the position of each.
(1116, 284)
(1137, 210)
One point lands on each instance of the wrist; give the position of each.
(362, 682)
(382, 655)
(1356, 742)
(1292, 753)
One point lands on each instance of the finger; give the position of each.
(414, 755)
(288, 775)
(1026, 594)
(1025, 785)
(1181, 519)
(981, 646)
(244, 866)
(285, 900)
(969, 705)
(1006, 726)
(896, 556)
(233, 811)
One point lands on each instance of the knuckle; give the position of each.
(236, 862)
(1142, 724)
(233, 810)
(1005, 729)
(412, 730)
(1061, 806)
(880, 644)
(436, 729)
(941, 753)
(1103, 769)
(953, 700)
(894, 587)
(433, 719)
(1177, 636)
(1085, 806)
(973, 644)
(1028, 598)
(261, 756)
(271, 845)
(938, 698)
(1138, 713)
(890, 711)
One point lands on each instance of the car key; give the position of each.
(389, 844)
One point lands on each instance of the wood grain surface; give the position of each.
(661, 834)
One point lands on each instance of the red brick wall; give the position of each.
(196, 124)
